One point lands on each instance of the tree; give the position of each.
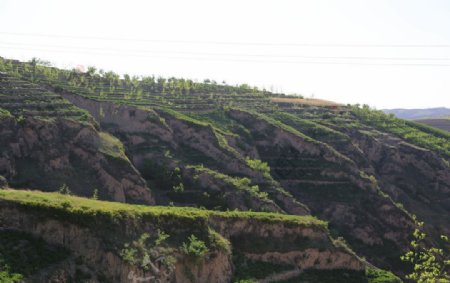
(34, 62)
(91, 71)
(430, 264)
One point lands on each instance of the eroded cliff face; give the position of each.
(163, 140)
(144, 129)
(90, 254)
(416, 177)
(95, 252)
(44, 154)
(299, 247)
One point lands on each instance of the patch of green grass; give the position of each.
(381, 276)
(111, 146)
(5, 114)
(259, 166)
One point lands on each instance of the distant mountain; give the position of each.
(414, 114)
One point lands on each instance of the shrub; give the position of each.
(146, 251)
(195, 248)
(430, 264)
(7, 277)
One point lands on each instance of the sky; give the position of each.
(385, 53)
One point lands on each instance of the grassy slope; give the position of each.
(89, 207)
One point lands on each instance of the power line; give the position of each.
(236, 60)
(344, 45)
(229, 54)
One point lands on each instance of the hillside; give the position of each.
(214, 148)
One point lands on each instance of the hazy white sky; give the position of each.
(402, 47)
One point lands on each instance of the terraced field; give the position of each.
(22, 98)
(186, 96)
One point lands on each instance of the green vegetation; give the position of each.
(430, 264)
(7, 277)
(147, 251)
(80, 207)
(381, 276)
(259, 166)
(218, 241)
(111, 146)
(4, 113)
(196, 249)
